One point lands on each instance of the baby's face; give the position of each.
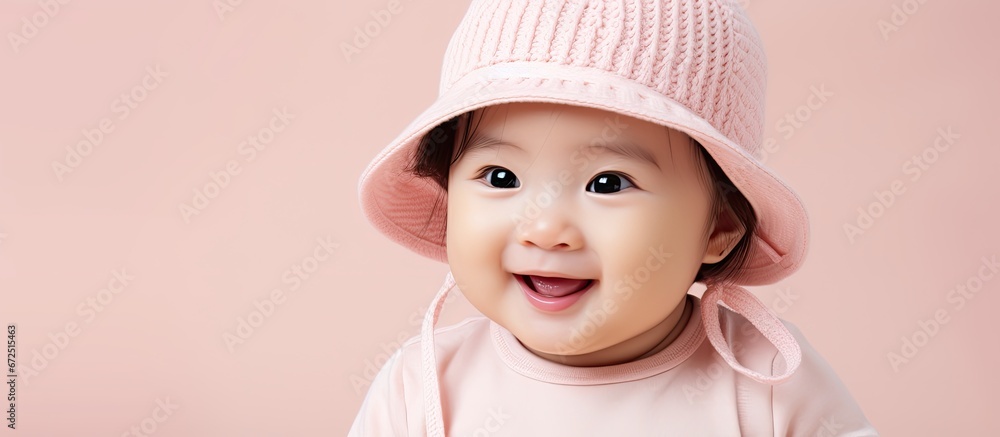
(571, 245)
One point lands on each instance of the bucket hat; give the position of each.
(697, 66)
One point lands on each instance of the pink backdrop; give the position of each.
(166, 272)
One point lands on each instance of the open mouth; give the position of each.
(555, 287)
(551, 293)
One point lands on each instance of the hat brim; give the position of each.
(406, 208)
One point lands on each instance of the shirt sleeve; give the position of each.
(814, 402)
(383, 412)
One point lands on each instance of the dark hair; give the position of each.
(435, 155)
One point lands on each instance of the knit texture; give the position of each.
(697, 66)
(705, 55)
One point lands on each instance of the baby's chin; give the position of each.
(576, 356)
(555, 342)
(556, 352)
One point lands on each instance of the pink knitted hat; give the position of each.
(697, 66)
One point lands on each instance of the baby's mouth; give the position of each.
(555, 287)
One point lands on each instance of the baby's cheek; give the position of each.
(475, 234)
(667, 230)
(653, 262)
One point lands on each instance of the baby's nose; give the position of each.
(550, 230)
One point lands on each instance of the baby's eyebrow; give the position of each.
(627, 149)
(622, 147)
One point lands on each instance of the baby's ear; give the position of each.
(726, 233)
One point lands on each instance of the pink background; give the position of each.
(161, 338)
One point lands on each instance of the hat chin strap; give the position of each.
(737, 298)
(432, 391)
(750, 307)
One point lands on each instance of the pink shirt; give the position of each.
(490, 385)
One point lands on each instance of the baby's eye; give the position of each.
(609, 183)
(499, 177)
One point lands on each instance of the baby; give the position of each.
(585, 163)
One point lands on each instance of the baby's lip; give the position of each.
(550, 274)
